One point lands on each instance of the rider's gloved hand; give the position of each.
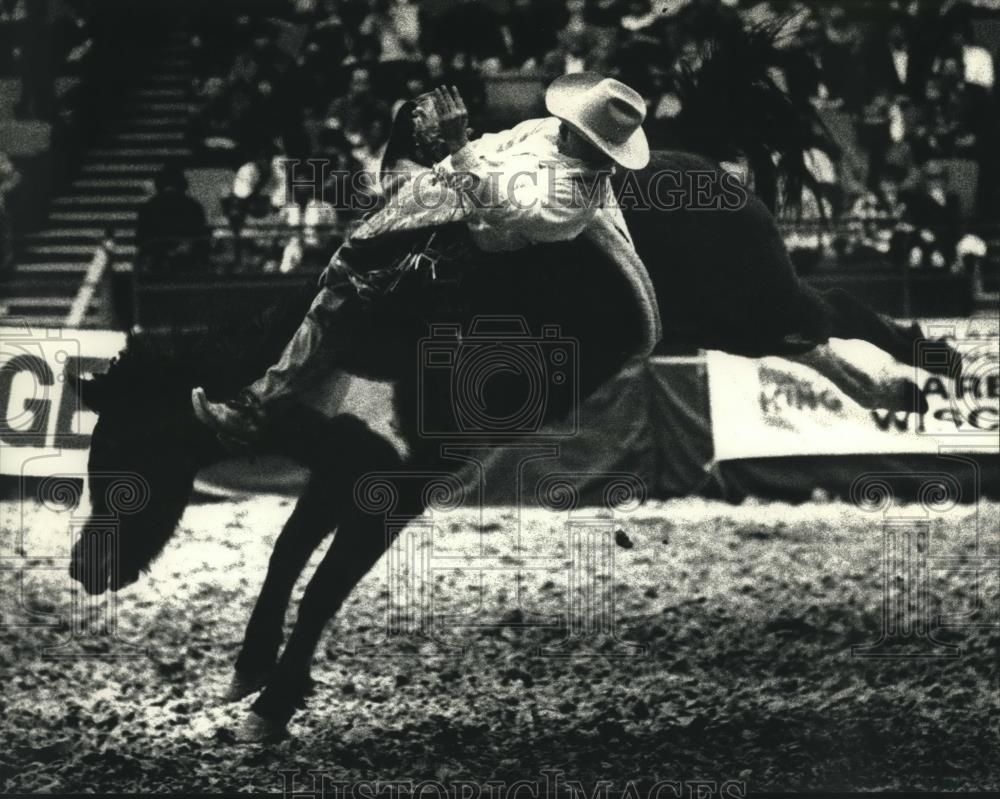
(453, 117)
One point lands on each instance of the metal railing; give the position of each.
(94, 279)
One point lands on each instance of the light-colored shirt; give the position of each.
(398, 30)
(901, 62)
(249, 176)
(978, 66)
(529, 192)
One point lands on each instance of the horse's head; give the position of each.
(144, 454)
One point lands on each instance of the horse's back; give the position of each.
(718, 261)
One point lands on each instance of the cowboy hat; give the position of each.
(606, 112)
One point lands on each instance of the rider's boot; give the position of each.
(307, 357)
(239, 419)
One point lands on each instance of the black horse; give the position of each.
(723, 279)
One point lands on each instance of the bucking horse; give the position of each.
(717, 278)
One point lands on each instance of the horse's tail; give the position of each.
(733, 107)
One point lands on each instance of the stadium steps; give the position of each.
(110, 169)
(78, 254)
(156, 108)
(65, 235)
(56, 270)
(26, 307)
(82, 203)
(157, 154)
(101, 218)
(45, 279)
(176, 93)
(50, 285)
(114, 179)
(133, 139)
(156, 123)
(113, 185)
(34, 321)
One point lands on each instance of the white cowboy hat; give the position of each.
(606, 112)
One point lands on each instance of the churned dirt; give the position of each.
(746, 618)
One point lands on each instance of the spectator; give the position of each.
(976, 63)
(581, 44)
(368, 155)
(170, 229)
(701, 20)
(935, 214)
(889, 67)
(875, 131)
(607, 13)
(35, 61)
(639, 15)
(396, 23)
(823, 200)
(840, 59)
(259, 186)
(469, 27)
(350, 111)
(937, 130)
(229, 106)
(531, 27)
(9, 178)
(313, 222)
(875, 220)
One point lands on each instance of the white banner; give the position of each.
(43, 427)
(772, 407)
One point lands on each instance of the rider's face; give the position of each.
(574, 145)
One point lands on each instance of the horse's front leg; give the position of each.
(356, 548)
(315, 515)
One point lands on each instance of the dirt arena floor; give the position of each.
(747, 616)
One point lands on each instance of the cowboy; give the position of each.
(545, 180)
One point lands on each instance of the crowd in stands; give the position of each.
(910, 95)
(907, 89)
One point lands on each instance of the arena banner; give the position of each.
(43, 427)
(772, 407)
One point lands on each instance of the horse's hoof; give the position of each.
(243, 685)
(256, 729)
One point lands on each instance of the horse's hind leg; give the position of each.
(314, 516)
(359, 543)
(894, 394)
(853, 319)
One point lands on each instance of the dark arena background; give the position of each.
(761, 557)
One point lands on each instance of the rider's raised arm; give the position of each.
(479, 155)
